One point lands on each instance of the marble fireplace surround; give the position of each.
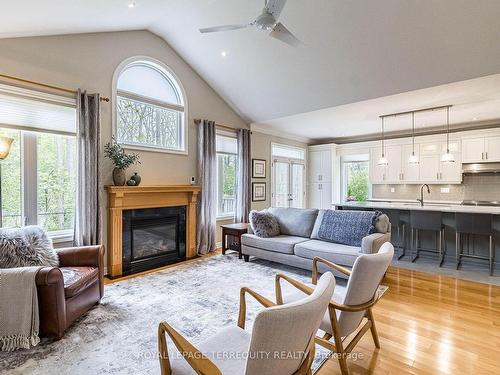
(136, 197)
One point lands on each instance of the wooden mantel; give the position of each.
(135, 197)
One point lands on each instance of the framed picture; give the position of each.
(258, 191)
(258, 168)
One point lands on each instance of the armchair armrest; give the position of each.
(196, 359)
(243, 305)
(297, 284)
(329, 264)
(49, 276)
(355, 308)
(372, 243)
(92, 256)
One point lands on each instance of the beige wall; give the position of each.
(261, 149)
(88, 61)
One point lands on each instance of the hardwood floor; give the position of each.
(430, 324)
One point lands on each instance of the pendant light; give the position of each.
(448, 157)
(383, 160)
(413, 159)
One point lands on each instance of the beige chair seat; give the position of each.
(227, 349)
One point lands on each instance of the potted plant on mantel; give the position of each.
(120, 159)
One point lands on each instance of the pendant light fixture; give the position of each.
(413, 159)
(448, 157)
(383, 160)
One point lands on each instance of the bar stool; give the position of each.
(400, 226)
(472, 224)
(428, 221)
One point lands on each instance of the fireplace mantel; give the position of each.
(134, 197)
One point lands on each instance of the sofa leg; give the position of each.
(246, 257)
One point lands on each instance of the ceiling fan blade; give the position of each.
(222, 28)
(280, 32)
(275, 7)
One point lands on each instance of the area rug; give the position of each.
(119, 336)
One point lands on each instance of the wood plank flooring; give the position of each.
(431, 324)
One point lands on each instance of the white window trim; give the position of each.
(115, 93)
(343, 177)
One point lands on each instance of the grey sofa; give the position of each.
(298, 242)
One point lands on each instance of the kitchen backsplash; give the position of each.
(474, 187)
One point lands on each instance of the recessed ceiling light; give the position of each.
(474, 119)
(131, 5)
(223, 53)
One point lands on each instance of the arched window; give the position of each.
(150, 107)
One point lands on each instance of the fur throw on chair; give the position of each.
(27, 246)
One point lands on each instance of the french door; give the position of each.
(288, 183)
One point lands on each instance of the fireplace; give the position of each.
(153, 237)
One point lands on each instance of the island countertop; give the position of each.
(431, 206)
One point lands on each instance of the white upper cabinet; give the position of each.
(435, 171)
(481, 149)
(398, 171)
(377, 173)
(410, 172)
(320, 166)
(394, 169)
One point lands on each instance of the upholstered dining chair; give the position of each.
(350, 306)
(281, 342)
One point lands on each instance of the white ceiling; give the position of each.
(474, 101)
(352, 50)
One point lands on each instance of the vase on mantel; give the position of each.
(136, 178)
(119, 177)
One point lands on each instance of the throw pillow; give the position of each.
(264, 224)
(25, 247)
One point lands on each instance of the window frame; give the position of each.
(228, 215)
(177, 84)
(359, 158)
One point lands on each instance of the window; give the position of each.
(285, 151)
(150, 108)
(39, 175)
(356, 185)
(227, 149)
(288, 179)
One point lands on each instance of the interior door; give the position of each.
(288, 184)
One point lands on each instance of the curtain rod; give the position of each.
(102, 99)
(230, 128)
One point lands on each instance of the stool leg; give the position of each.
(402, 243)
(458, 245)
(491, 255)
(440, 247)
(415, 245)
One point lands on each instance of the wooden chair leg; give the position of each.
(373, 328)
(339, 348)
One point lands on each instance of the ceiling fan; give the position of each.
(267, 20)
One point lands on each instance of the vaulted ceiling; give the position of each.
(351, 51)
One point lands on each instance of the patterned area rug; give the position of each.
(119, 335)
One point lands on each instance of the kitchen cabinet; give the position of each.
(320, 195)
(377, 172)
(409, 172)
(432, 170)
(320, 166)
(481, 149)
(398, 171)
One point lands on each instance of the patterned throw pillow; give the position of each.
(264, 224)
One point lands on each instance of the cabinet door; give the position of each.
(492, 149)
(429, 167)
(314, 195)
(377, 173)
(326, 195)
(393, 170)
(314, 166)
(473, 150)
(451, 172)
(326, 166)
(411, 172)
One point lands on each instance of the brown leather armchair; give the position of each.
(67, 292)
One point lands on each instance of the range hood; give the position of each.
(480, 168)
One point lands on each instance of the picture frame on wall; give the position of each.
(258, 191)
(258, 168)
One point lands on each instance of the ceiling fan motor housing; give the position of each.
(265, 21)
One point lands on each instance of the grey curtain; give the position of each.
(207, 177)
(88, 210)
(243, 177)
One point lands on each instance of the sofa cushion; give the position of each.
(77, 279)
(264, 224)
(295, 221)
(337, 253)
(279, 244)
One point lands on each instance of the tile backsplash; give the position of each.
(473, 187)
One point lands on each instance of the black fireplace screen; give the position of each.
(153, 238)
